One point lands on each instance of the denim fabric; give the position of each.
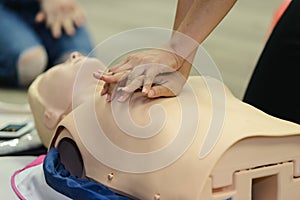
(19, 32)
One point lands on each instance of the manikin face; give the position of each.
(54, 88)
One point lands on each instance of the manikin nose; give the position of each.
(75, 55)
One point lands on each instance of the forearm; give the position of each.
(195, 21)
(183, 6)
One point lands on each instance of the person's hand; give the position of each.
(60, 15)
(164, 85)
(146, 65)
(112, 83)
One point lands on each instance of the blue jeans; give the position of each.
(19, 32)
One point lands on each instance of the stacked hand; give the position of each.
(60, 15)
(155, 71)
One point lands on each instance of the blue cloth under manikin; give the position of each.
(73, 187)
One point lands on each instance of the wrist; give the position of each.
(166, 48)
(182, 45)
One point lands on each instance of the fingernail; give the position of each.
(100, 71)
(144, 91)
(96, 74)
(120, 89)
(125, 89)
(102, 77)
(151, 93)
(122, 98)
(108, 98)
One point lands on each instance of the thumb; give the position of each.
(160, 91)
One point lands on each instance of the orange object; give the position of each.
(279, 12)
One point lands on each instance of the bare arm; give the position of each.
(194, 21)
(200, 20)
(183, 7)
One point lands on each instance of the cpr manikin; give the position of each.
(51, 94)
(153, 149)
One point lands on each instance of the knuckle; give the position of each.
(133, 57)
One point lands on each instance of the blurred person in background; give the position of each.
(35, 35)
(274, 85)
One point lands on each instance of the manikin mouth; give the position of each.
(70, 157)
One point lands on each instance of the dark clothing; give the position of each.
(275, 83)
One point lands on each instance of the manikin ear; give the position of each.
(51, 118)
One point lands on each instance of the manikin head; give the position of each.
(50, 95)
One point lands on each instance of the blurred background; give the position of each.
(235, 44)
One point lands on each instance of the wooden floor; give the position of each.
(235, 45)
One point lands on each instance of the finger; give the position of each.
(100, 72)
(109, 92)
(40, 17)
(135, 74)
(124, 67)
(134, 84)
(56, 29)
(79, 17)
(160, 91)
(105, 89)
(108, 98)
(115, 78)
(147, 84)
(124, 97)
(116, 67)
(151, 72)
(97, 75)
(68, 26)
(112, 91)
(128, 64)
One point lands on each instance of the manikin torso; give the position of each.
(146, 148)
